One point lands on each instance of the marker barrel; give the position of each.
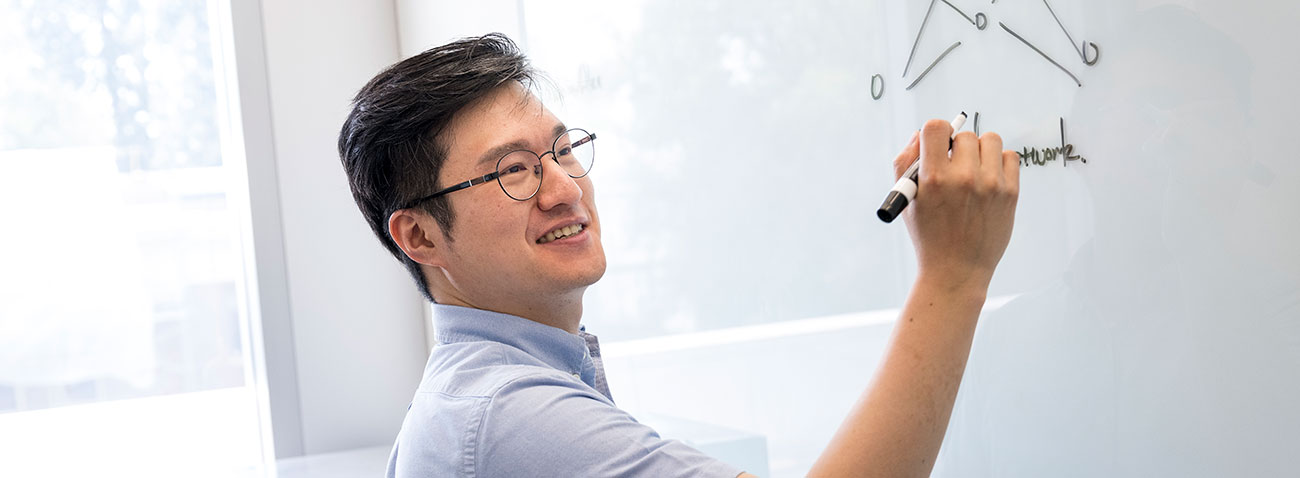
(897, 199)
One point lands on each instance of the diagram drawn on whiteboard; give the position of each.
(1089, 53)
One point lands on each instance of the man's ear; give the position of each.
(418, 235)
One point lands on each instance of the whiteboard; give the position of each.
(1156, 327)
(1151, 324)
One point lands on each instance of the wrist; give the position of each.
(965, 288)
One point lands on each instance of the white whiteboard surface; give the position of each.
(1154, 328)
(1163, 338)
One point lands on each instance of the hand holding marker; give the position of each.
(905, 189)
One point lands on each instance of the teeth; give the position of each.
(560, 233)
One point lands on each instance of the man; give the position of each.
(482, 193)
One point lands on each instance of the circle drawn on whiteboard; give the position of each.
(877, 86)
(1096, 53)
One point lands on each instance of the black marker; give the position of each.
(905, 189)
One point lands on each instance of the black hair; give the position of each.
(389, 144)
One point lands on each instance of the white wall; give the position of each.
(352, 319)
(425, 24)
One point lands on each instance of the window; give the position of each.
(123, 316)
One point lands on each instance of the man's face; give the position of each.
(499, 257)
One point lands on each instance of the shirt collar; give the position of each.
(557, 348)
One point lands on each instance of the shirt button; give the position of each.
(575, 375)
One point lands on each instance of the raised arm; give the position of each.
(960, 223)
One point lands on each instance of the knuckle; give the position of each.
(992, 177)
(1012, 190)
(964, 137)
(930, 181)
(965, 181)
(991, 137)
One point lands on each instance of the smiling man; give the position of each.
(530, 252)
(483, 195)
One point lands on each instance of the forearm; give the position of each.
(896, 427)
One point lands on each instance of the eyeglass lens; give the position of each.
(520, 172)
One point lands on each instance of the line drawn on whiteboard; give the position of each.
(919, 31)
(1040, 52)
(1083, 46)
(980, 21)
(931, 67)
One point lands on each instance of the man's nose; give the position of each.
(557, 187)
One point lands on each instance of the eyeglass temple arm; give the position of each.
(453, 188)
(589, 138)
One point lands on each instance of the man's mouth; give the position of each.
(561, 233)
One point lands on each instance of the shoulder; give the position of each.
(548, 426)
(441, 433)
(491, 410)
(478, 369)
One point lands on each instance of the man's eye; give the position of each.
(514, 168)
(564, 151)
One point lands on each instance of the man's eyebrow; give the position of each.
(494, 154)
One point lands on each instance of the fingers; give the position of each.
(909, 154)
(980, 162)
(965, 156)
(992, 172)
(934, 147)
(1011, 171)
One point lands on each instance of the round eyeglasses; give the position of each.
(519, 172)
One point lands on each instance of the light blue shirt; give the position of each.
(506, 396)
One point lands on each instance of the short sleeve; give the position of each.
(549, 425)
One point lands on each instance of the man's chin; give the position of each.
(596, 277)
(592, 275)
(589, 273)
(575, 272)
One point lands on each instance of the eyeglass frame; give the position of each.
(496, 174)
